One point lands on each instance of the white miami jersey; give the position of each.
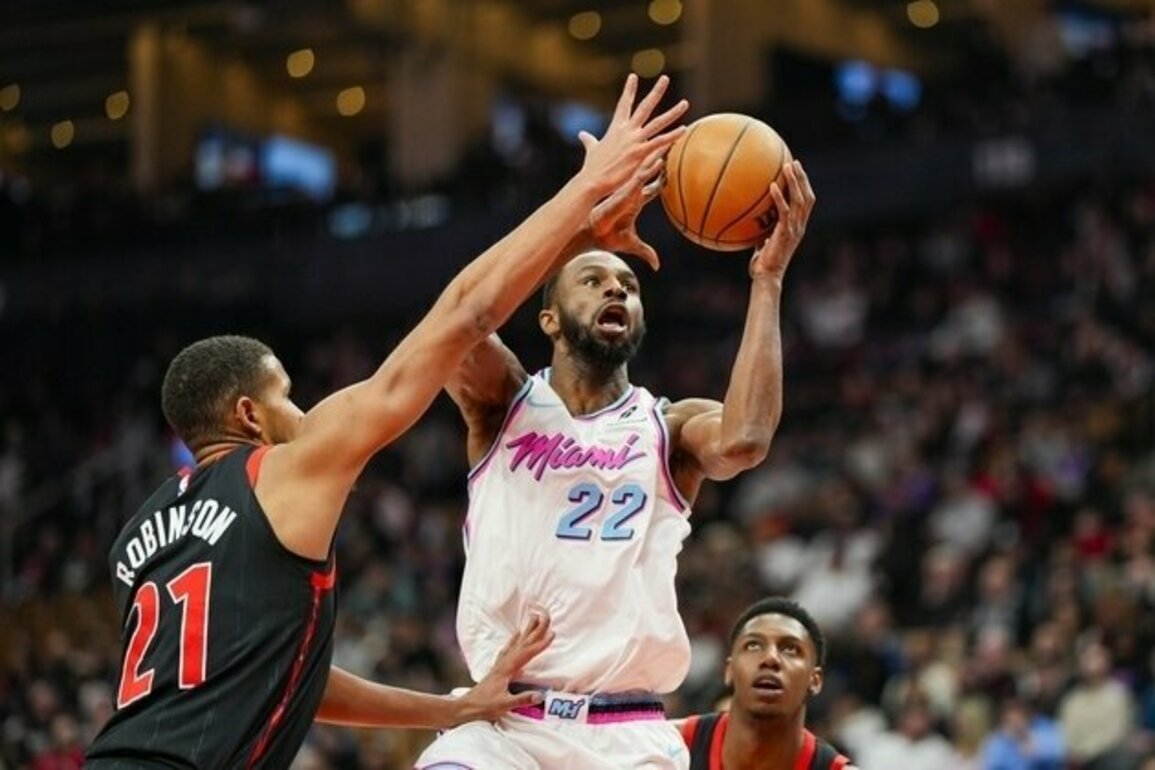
(580, 516)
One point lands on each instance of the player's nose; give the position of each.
(771, 659)
(614, 288)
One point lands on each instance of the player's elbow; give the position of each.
(746, 450)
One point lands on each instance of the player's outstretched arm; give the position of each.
(355, 702)
(315, 471)
(491, 374)
(719, 440)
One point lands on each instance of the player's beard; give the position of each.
(603, 355)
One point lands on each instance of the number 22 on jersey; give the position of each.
(627, 501)
(190, 590)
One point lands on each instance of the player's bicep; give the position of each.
(698, 437)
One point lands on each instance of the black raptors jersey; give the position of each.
(227, 634)
(704, 736)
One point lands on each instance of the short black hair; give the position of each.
(780, 605)
(204, 380)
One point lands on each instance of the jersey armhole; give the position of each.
(253, 464)
(514, 408)
(666, 447)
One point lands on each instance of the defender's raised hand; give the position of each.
(773, 257)
(613, 222)
(633, 137)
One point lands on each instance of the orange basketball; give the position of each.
(717, 186)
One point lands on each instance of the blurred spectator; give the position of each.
(912, 745)
(1025, 741)
(1097, 714)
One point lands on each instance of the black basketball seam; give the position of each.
(718, 179)
(682, 165)
(742, 216)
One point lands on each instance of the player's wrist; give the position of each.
(453, 711)
(768, 280)
(590, 187)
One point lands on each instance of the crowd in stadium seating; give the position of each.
(962, 491)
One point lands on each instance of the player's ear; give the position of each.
(728, 674)
(816, 679)
(246, 417)
(547, 320)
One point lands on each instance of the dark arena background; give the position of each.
(962, 489)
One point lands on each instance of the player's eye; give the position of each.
(590, 281)
(752, 645)
(632, 288)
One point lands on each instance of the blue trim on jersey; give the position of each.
(667, 445)
(517, 399)
(617, 404)
(622, 400)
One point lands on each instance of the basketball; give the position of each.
(717, 186)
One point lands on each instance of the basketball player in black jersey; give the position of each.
(225, 577)
(775, 666)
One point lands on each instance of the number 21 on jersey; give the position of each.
(190, 589)
(626, 502)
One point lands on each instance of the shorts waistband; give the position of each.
(587, 708)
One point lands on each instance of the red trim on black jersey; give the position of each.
(705, 735)
(253, 464)
(806, 756)
(689, 730)
(322, 582)
(716, 744)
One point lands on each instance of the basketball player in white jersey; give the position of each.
(580, 496)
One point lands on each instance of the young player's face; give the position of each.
(773, 667)
(279, 416)
(599, 309)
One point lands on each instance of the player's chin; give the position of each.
(762, 707)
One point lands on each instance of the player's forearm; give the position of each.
(753, 403)
(355, 702)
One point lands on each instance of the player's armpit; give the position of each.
(483, 387)
(719, 452)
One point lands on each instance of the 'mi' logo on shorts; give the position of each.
(564, 708)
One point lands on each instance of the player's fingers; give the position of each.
(526, 645)
(647, 254)
(667, 118)
(792, 193)
(588, 140)
(663, 142)
(519, 638)
(531, 698)
(626, 100)
(779, 201)
(650, 101)
(651, 168)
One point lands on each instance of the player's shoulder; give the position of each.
(827, 757)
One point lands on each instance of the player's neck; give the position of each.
(762, 744)
(209, 453)
(585, 388)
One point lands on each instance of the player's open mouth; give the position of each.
(614, 319)
(769, 685)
